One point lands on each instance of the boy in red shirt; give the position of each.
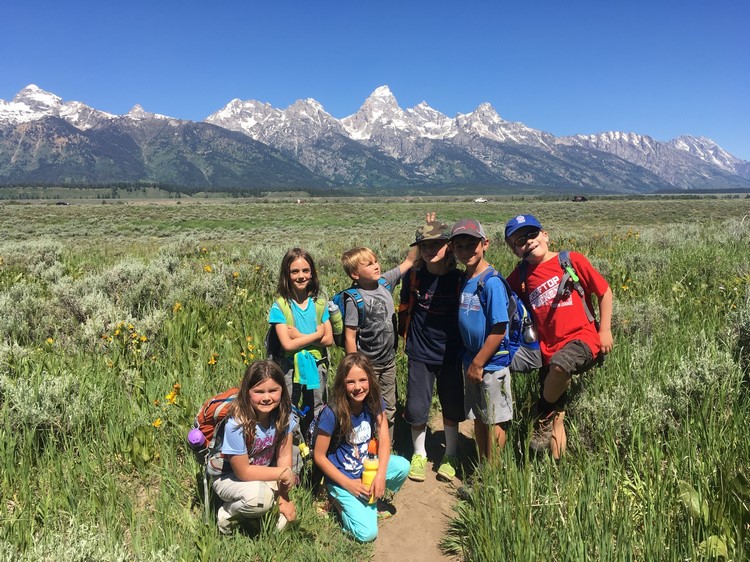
(569, 340)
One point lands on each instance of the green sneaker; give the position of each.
(417, 470)
(447, 470)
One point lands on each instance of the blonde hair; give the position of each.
(352, 259)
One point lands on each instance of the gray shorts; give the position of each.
(526, 360)
(491, 401)
(575, 356)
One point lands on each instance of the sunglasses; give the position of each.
(524, 238)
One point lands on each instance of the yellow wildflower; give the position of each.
(204, 251)
(117, 332)
(248, 338)
(177, 307)
(235, 274)
(157, 423)
(207, 268)
(214, 356)
(50, 341)
(144, 338)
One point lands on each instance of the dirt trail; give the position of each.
(424, 508)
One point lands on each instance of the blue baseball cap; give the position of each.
(519, 222)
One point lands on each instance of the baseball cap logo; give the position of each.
(520, 219)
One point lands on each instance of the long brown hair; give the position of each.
(284, 286)
(339, 402)
(242, 410)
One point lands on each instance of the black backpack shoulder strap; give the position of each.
(523, 271)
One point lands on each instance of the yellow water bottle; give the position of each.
(370, 466)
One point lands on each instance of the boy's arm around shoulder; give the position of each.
(409, 260)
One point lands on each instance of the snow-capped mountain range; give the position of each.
(381, 145)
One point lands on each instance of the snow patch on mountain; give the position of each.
(32, 103)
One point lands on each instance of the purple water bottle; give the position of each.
(197, 442)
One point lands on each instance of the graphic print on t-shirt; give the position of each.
(545, 295)
(377, 315)
(359, 438)
(262, 451)
(469, 302)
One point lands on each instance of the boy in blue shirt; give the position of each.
(483, 323)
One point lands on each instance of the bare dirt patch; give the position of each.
(424, 509)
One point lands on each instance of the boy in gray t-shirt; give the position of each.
(377, 338)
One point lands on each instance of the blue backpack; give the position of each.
(340, 299)
(520, 331)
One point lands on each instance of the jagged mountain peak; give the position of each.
(137, 113)
(308, 105)
(382, 92)
(707, 150)
(380, 110)
(36, 98)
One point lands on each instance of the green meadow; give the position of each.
(118, 320)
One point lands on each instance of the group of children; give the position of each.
(455, 327)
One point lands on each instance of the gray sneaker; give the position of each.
(465, 492)
(542, 435)
(224, 521)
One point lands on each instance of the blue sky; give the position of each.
(659, 67)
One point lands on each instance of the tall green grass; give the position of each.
(119, 320)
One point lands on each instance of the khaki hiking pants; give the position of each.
(247, 500)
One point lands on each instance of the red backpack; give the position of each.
(213, 412)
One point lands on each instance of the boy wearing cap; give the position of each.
(428, 320)
(377, 338)
(568, 336)
(482, 323)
